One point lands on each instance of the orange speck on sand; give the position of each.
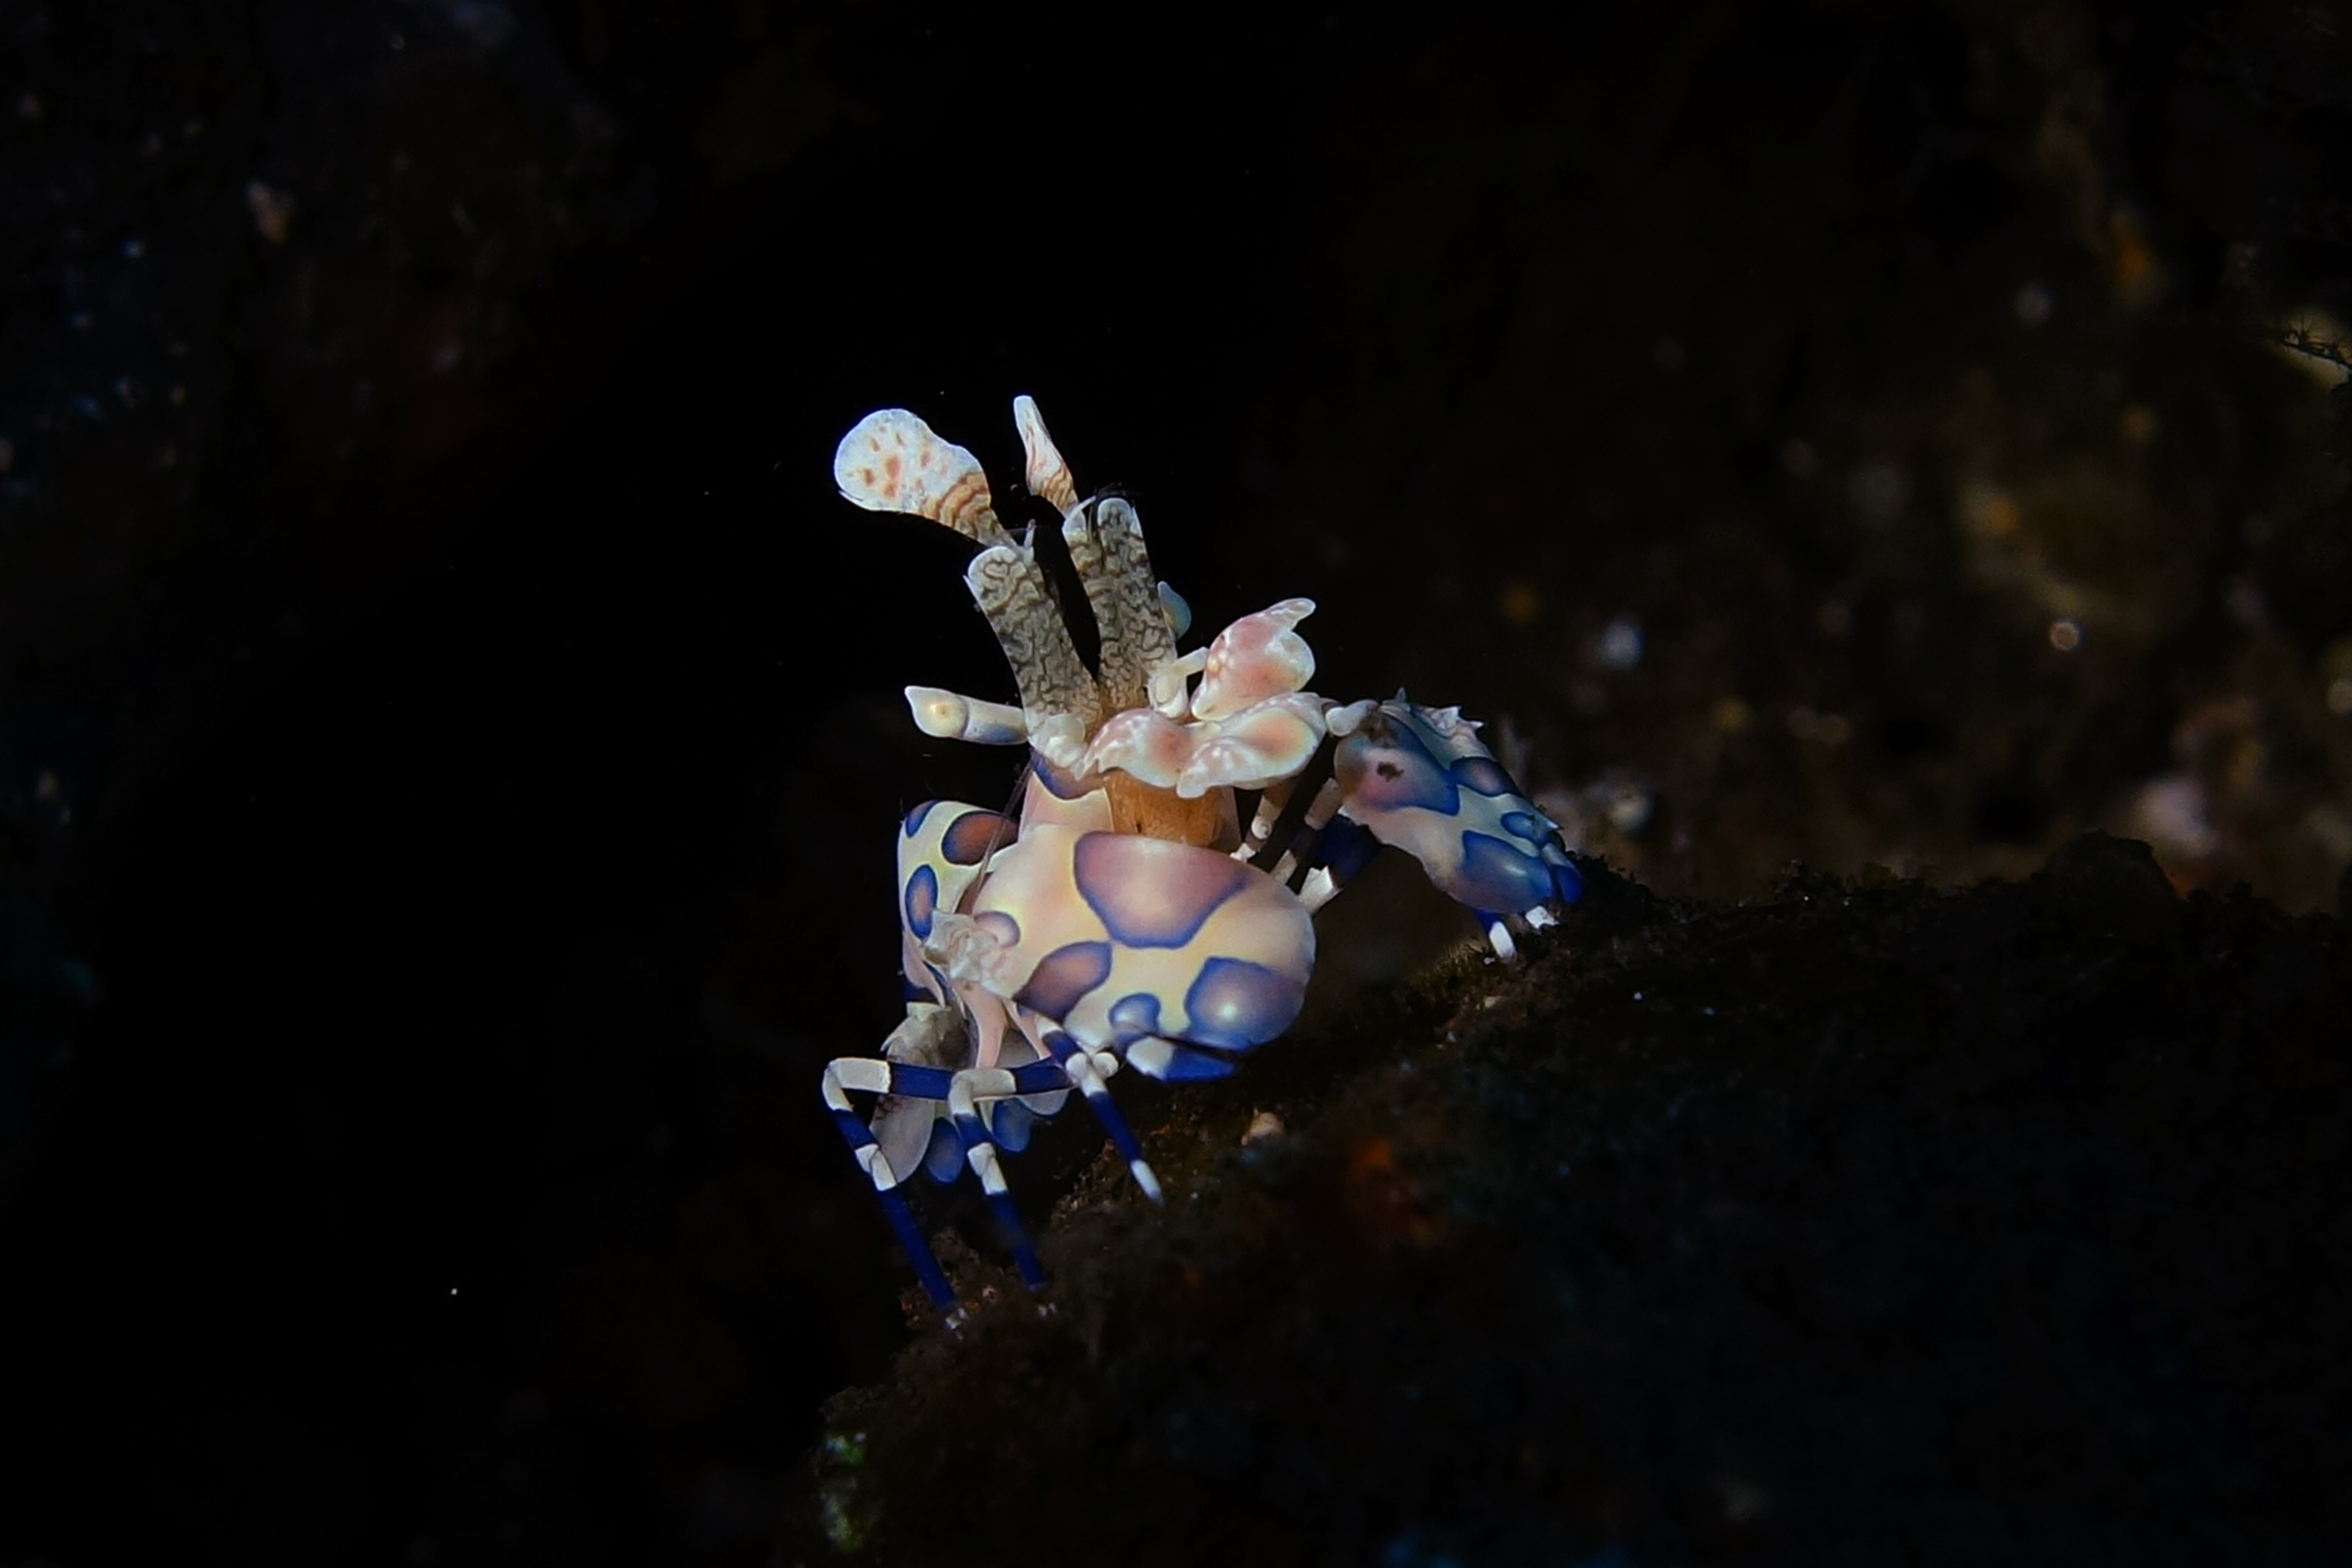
(2002, 516)
(1381, 1197)
(2135, 273)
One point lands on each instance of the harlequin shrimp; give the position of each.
(1122, 916)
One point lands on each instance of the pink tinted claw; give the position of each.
(1256, 658)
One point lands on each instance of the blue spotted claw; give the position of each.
(1421, 779)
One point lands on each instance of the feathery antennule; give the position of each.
(1125, 598)
(892, 461)
(1106, 544)
(1058, 697)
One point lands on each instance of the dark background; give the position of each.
(448, 727)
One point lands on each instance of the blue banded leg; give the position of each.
(1171, 1062)
(1271, 803)
(870, 1075)
(1082, 1068)
(965, 1090)
(1316, 892)
(1338, 852)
